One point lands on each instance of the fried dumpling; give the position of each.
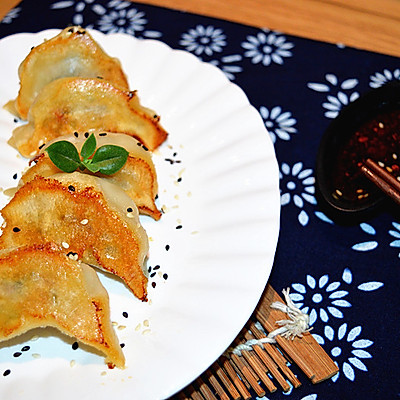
(67, 105)
(89, 217)
(73, 52)
(40, 287)
(137, 177)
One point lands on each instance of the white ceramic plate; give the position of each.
(218, 262)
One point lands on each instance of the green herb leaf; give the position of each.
(108, 159)
(64, 156)
(88, 147)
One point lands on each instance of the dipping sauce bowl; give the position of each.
(368, 128)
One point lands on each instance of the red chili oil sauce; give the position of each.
(378, 139)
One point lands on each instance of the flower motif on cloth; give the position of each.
(207, 42)
(116, 16)
(226, 64)
(79, 7)
(380, 78)
(279, 124)
(395, 233)
(297, 185)
(322, 297)
(267, 47)
(11, 15)
(308, 397)
(203, 39)
(340, 94)
(121, 17)
(349, 352)
(369, 244)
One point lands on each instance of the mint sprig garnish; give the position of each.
(107, 159)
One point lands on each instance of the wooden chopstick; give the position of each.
(382, 179)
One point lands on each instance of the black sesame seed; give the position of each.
(125, 314)
(71, 188)
(71, 30)
(71, 253)
(99, 77)
(179, 180)
(17, 354)
(149, 270)
(103, 134)
(167, 247)
(7, 372)
(25, 348)
(15, 120)
(32, 47)
(122, 345)
(153, 284)
(76, 134)
(175, 154)
(145, 148)
(16, 229)
(41, 146)
(86, 134)
(129, 209)
(75, 345)
(152, 275)
(156, 267)
(178, 227)
(165, 276)
(155, 198)
(15, 176)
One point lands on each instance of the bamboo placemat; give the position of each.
(267, 367)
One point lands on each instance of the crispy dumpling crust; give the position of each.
(67, 105)
(40, 287)
(84, 215)
(73, 52)
(137, 177)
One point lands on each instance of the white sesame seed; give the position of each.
(138, 326)
(130, 215)
(121, 327)
(73, 256)
(84, 221)
(65, 245)
(146, 332)
(36, 355)
(146, 323)
(72, 363)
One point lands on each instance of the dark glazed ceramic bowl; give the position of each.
(338, 206)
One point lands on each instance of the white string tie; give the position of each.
(297, 325)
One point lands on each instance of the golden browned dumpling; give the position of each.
(40, 287)
(73, 52)
(67, 105)
(137, 177)
(91, 218)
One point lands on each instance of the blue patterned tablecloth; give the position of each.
(346, 278)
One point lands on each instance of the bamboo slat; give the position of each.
(267, 366)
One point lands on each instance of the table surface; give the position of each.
(366, 24)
